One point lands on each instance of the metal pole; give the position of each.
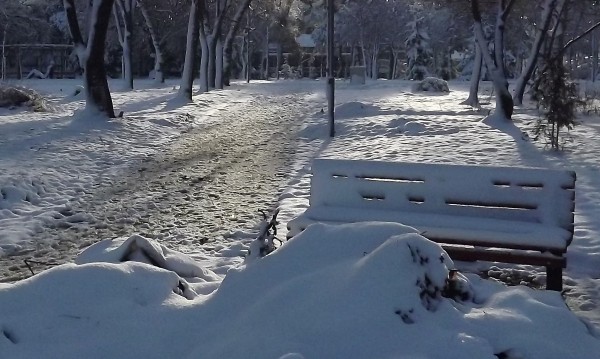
(330, 78)
(4, 54)
(594, 57)
(248, 65)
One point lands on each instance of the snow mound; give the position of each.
(431, 84)
(355, 109)
(312, 298)
(413, 128)
(385, 284)
(141, 249)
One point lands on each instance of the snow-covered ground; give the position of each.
(350, 292)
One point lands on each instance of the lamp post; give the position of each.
(247, 31)
(3, 61)
(330, 78)
(247, 43)
(248, 64)
(3, 78)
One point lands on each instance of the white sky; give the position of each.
(319, 296)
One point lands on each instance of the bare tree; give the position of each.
(91, 53)
(191, 51)
(549, 6)
(204, 47)
(473, 99)
(215, 49)
(495, 65)
(233, 30)
(123, 13)
(4, 33)
(159, 75)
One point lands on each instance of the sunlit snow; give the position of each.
(367, 290)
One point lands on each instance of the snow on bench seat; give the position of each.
(505, 208)
(462, 229)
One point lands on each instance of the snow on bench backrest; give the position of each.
(523, 194)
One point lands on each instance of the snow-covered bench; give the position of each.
(499, 214)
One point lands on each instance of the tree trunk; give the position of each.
(204, 60)
(396, 74)
(244, 62)
(91, 56)
(4, 54)
(519, 91)
(219, 64)
(212, 48)
(278, 61)
(499, 41)
(124, 22)
(215, 54)
(391, 60)
(267, 55)
(159, 76)
(504, 102)
(127, 55)
(473, 99)
(228, 47)
(374, 67)
(119, 27)
(191, 50)
(364, 58)
(594, 57)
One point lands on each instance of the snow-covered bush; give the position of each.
(13, 96)
(431, 84)
(289, 72)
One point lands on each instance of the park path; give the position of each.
(210, 182)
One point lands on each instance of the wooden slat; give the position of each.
(476, 254)
(491, 244)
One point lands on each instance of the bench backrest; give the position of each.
(523, 194)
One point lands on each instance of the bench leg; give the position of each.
(554, 278)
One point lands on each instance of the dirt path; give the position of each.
(212, 181)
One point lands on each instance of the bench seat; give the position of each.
(447, 228)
